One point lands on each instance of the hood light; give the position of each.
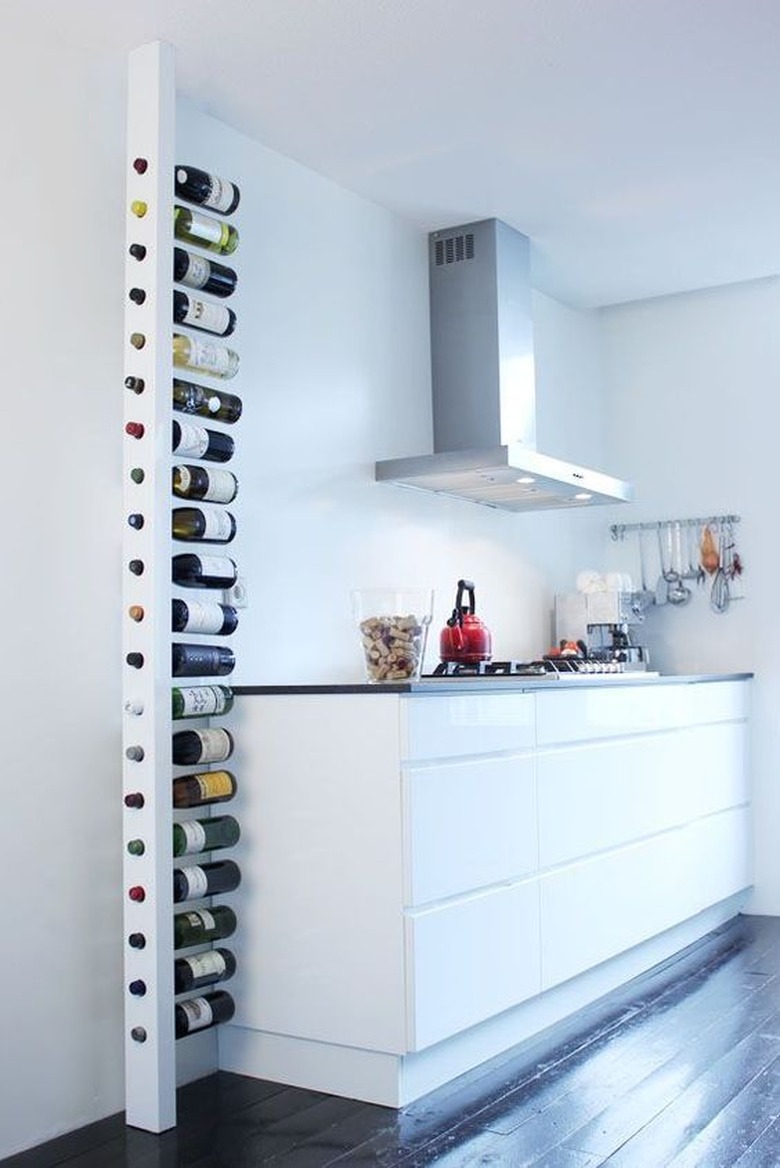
(526, 481)
(583, 496)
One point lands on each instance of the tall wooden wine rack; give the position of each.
(155, 1062)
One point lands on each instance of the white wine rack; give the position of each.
(155, 1063)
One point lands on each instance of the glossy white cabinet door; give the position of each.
(451, 725)
(602, 794)
(468, 824)
(470, 959)
(596, 908)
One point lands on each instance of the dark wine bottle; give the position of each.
(204, 275)
(200, 701)
(199, 880)
(192, 836)
(203, 789)
(203, 571)
(200, 1013)
(190, 616)
(201, 747)
(202, 969)
(196, 441)
(211, 526)
(190, 398)
(202, 926)
(204, 356)
(205, 189)
(204, 231)
(206, 484)
(201, 660)
(202, 314)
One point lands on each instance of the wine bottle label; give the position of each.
(200, 920)
(199, 1013)
(208, 229)
(215, 745)
(202, 700)
(196, 881)
(193, 440)
(222, 486)
(213, 317)
(209, 357)
(194, 837)
(214, 785)
(217, 525)
(216, 566)
(221, 195)
(204, 618)
(197, 272)
(211, 964)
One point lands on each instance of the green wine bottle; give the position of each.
(192, 836)
(199, 927)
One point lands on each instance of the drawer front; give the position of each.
(600, 795)
(468, 825)
(597, 908)
(578, 715)
(452, 725)
(471, 959)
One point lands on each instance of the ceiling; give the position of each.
(635, 141)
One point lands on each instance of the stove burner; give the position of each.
(549, 666)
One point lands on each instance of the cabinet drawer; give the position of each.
(597, 908)
(468, 824)
(577, 715)
(600, 795)
(451, 725)
(471, 959)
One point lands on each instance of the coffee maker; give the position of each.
(604, 622)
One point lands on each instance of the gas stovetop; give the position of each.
(547, 667)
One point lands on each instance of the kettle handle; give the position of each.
(465, 586)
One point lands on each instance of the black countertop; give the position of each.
(496, 683)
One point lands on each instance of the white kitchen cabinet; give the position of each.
(430, 877)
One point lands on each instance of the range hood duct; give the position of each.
(484, 397)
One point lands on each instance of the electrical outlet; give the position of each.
(237, 595)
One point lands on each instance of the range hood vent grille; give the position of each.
(454, 249)
(484, 395)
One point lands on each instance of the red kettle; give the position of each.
(465, 638)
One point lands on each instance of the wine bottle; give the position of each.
(202, 969)
(192, 836)
(202, 314)
(194, 441)
(202, 483)
(191, 616)
(207, 403)
(200, 701)
(207, 190)
(203, 356)
(204, 231)
(211, 526)
(201, 747)
(203, 789)
(202, 926)
(204, 275)
(200, 1013)
(201, 660)
(199, 880)
(203, 571)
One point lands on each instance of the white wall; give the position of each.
(339, 361)
(693, 396)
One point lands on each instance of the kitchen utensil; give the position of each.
(465, 638)
(678, 593)
(643, 599)
(710, 555)
(393, 625)
(662, 584)
(720, 592)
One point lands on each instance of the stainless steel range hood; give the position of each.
(484, 398)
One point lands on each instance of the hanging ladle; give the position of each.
(677, 592)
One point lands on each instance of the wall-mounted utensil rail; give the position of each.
(619, 530)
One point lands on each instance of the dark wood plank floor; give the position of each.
(679, 1067)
